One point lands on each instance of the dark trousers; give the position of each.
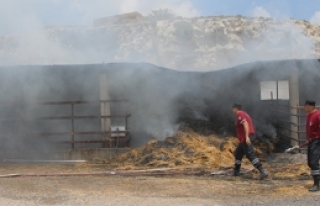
(314, 157)
(246, 150)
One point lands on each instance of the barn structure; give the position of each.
(72, 107)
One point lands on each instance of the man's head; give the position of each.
(236, 108)
(309, 106)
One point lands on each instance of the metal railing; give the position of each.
(281, 119)
(22, 119)
(277, 109)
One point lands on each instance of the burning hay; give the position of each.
(186, 150)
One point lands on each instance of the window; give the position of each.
(268, 87)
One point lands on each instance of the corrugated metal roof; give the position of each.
(243, 68)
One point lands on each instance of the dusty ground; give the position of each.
(287, 184)
(146, 190)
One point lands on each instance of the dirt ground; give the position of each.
(202, 189)
(184, 166)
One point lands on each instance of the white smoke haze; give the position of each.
(315, 19)
(279, 40)
(185, 44)
(18, 16)
(32, 45)
(184, 9)
(61, 46)
(102, 8)
(260, 12)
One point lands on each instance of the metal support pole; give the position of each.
(272, 115)
(72, 124)
(105, 105)
(298, 127)
(294, 100)
(277, 88)
(22, 121)
(126, 123)
(277, 108)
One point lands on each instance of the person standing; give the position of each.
(313, 141)
(245, 133)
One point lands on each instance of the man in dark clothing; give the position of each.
(313, 140)
(245, 132)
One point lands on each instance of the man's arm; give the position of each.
(246, 131)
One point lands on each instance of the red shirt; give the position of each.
(313, 125)
(241, 118)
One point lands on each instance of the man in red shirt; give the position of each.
(313, 140)
(245, 132)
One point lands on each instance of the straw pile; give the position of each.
(189, 150)
(186, 150)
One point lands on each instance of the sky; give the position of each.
(82, 12)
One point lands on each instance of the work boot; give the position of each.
(236, 172)
(315, 186)
(263, 174)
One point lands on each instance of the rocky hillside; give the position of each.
(202, 43)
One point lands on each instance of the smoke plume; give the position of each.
(157, 96)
